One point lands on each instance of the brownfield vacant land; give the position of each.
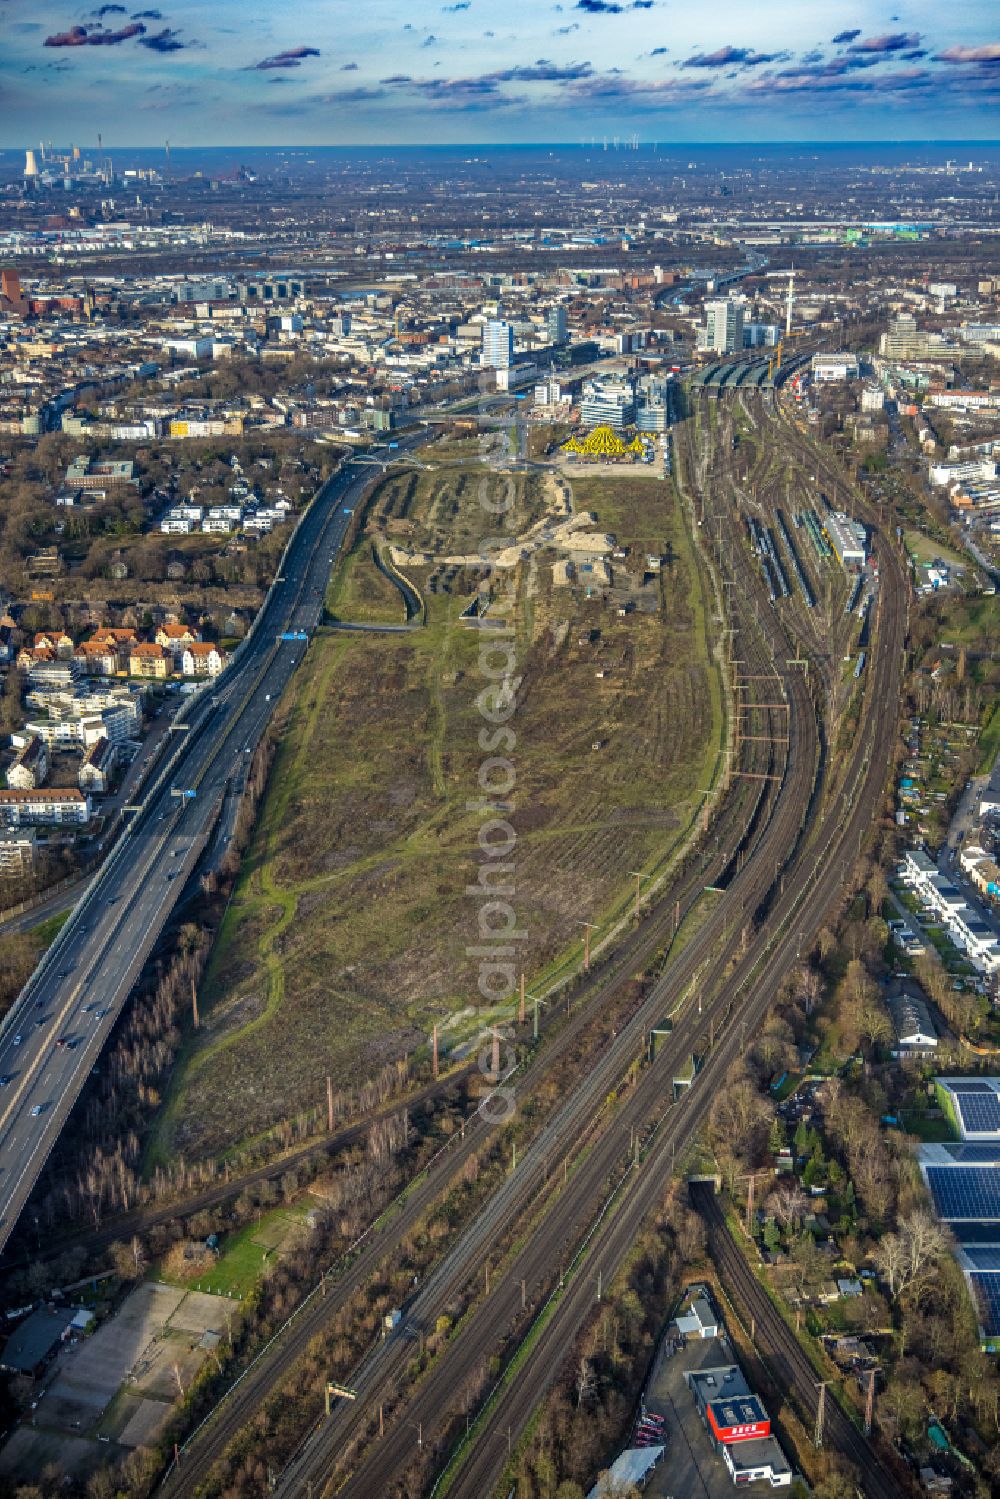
(346, 937)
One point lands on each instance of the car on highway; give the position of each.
(86, 1009)
(37, 1110)
(62, 1043)
(18, 1039)
(42, 1020)
(4, 1080)
(101, 1014)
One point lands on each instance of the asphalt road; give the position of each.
(65, 896)
(53, 1037)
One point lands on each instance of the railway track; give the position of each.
(785, 1358)
(485, 1326)
(798, 911)
(739, 811)
(710, 864)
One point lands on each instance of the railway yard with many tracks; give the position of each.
(787, 828)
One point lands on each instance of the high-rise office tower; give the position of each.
(498, 345)
(556, 324)
(723, 333)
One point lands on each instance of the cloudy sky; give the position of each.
(405, 71)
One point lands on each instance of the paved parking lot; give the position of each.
(690, 1469)
(119, 1384)
(89, 1375)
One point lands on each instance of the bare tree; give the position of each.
(788, 1203)
(906, 1259)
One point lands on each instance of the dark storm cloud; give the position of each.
(896, 41)
(450, 10)
(349, 67)
(148, 15)
(725, 57)
(291, 58)
(843, 37)
(111, 10)
(83, 36)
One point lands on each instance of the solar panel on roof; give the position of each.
(980, 1113)
(986, 1289)
(974, 1153)
(972, 1085)
(984, 1256)
(975, 1233)
(969, 1192)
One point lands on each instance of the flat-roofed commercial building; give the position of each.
(848, 539)
(832, 368)
(498, 344)
(607, 403)
(739, 1426)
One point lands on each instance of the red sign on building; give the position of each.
(740, 1420)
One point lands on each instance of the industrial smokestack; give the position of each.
(30, 164)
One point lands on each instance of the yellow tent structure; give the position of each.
(603, 442)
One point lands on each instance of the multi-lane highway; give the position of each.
(53, 1037)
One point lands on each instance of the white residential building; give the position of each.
(201, 659)
(966, 925)
(40, 807)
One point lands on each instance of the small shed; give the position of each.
(698, 1320)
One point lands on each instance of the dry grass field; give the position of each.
(361, 593)
(346, 937)
(445, 510)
